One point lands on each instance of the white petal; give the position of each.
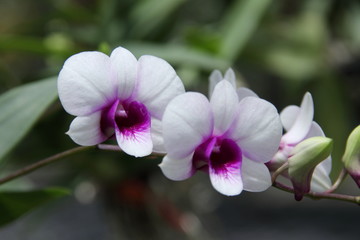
(303, 121)
(139, 144)
(156, 136)
(230, 76)
(85, 84)
(315, 131)
(214, 78)
(187, 122)
(229, 183)
(256, 176)
(157, 84)
(245, 92)
(320, 181)
(177, 169)
(223, 103)
(124, 68)
(257, 129)
(288, 116)
(86, 130)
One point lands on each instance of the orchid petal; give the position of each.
(228, 182)
(139, 144)
(86, 131)
(156, 136)
(320, 181)
(257, 129)
(124, 68)
(177, 169)
(215, 78)
(288, 116)
(256, 176)
(245, 92)
(230, 76)
(223, 102)
(84, 83)
(187, 122)
(157, 84)
(302, 123)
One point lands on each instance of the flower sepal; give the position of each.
(351, 157)
(304, 158)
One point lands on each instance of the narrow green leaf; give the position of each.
(177, 54)
(150, 14)
(15, 204)
(20, 108)
(239, 25)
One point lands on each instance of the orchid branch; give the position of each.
(109, 147)
(56, 157)
(315, 195)
(42, 163)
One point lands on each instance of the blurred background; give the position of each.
(280, 49)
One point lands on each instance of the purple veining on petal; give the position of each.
(222, 155)
(132, 118)
(226, 157)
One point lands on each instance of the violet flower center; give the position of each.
(133, 118)
(220, 154)
(128, 117)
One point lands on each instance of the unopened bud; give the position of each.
(351, 158)
(304, 158)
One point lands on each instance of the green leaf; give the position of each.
(178, 54)
(20, 108)
(239, 25)
(15, 204)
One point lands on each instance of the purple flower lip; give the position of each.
(130, 118)
(219, 153)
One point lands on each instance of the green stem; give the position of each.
(109, 147)
(278, 171)
(338, 181)
(315, 195)
(42, 163)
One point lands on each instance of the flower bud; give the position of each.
(351, 158)
(304, 158)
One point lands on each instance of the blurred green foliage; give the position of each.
(14, 204)
(280, 49)
(20, 108)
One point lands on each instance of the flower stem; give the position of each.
(109, 147)
(278, 171)
(315, 195)
(42, 163)
(338, 181)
